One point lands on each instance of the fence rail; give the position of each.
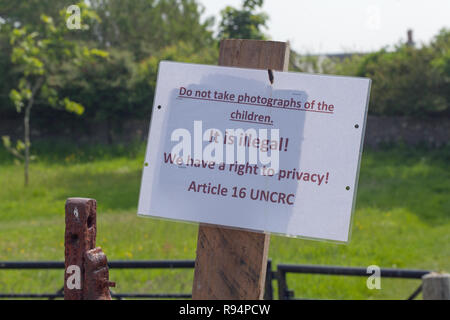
(282, 269)
(278, 275)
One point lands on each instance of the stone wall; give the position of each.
(433, 132)
(380, 130)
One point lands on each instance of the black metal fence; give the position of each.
(278, 275)
(282, 269)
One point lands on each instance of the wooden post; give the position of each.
(436, 286)
(231, 264)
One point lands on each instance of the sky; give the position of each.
(339, 26)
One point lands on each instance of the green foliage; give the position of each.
(441, 63)
(7, 78)
(117, 87)
(72, 106)
(109, 67)
(403, 82)
(15, 151)
(16, 98)
(29, 12)
(144, 77)
(243, 23)
(111, 84)
(146, 26)
(38, 57)
(18, 151)
(37, 54)
(102, 85)
(406, 81)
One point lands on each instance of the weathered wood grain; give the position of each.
(231, 264)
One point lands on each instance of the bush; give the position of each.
(407, 81)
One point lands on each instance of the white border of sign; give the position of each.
(183, 74)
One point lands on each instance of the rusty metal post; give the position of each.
(86, 272)
(96, 276)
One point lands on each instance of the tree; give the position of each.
(37, 58)
(243, 23)
(29, 12)
(404, 83)
(146, 26)
(130, 31)
(103, 88)
(143, 83)
(441, 64)
(412, 81)
(7, 77)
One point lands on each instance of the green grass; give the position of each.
(402, 220)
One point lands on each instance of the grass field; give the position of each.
(402, 220)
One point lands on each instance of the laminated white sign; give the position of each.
(229, 147)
